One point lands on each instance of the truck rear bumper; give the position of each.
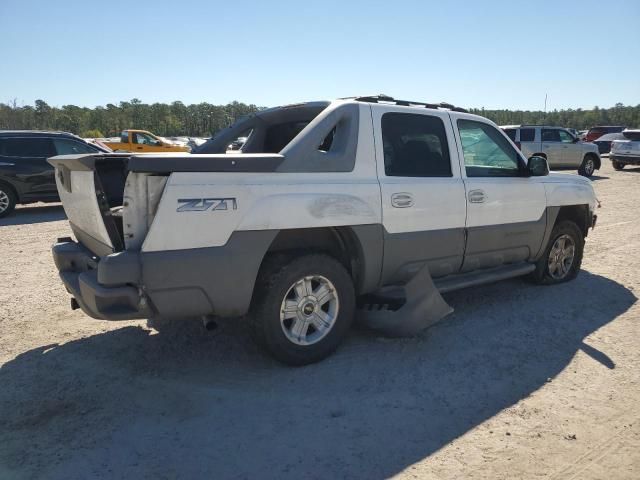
(177, 283)
(80, 271)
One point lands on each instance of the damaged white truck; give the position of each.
(327, 208)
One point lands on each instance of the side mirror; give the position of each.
(538, 166)
(576, 139)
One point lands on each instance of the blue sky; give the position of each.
(496, 54)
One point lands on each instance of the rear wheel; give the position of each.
(563, 256)
(617, 165)
(8, 200)
(588, 166)
(303, 307)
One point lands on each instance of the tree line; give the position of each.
(204, 119)
(176, 118)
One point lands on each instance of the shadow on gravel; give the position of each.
(130, 404)
(593, 178)
(34, 214)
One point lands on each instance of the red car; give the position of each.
(595, 133)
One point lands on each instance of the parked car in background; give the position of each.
(574, 132)
(557, 145)
(626, 151)
(604, 142)
(143, 141)
(25, 175)
(595, 133)
(237, 143)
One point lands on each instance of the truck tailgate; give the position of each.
(90, 186)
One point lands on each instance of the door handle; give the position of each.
(402, 200)
(476, 196)
(139, 148)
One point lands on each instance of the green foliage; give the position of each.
(92, 134)
(578, 119)
(204, 119)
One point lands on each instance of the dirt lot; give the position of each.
(520, 382)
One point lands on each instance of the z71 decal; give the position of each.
(206, 204)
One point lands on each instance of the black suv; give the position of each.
(25, 175)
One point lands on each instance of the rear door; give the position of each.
(552, 147)
(506, 211)
(33, 176)
(423, 200)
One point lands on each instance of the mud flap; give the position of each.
(399, 315)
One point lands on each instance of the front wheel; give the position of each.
(303, 307)
(617, 165)
(588, 166)
(563, 256)
(8, 200)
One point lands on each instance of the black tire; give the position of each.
(541, 274)
(8, 199)
(276, 278)
(617, 165)
(588, 166)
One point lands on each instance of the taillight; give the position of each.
(518, 145)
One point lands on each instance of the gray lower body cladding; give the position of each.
(220, 280)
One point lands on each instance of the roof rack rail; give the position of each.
(408, 103)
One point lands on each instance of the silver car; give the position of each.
(557, 145)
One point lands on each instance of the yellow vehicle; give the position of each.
(143, 141)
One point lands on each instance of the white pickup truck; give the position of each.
(327, 204)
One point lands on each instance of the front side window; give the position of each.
(71, 147)
(550, 135)
(487, 153)
(26, 147)
(565, 137)
(415, 146)
(144, 139)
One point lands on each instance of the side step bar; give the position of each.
(480, 277)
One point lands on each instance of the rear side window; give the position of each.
(71, 147)
(527, 134)
(511, 133)
(415, 146)
(26, 147)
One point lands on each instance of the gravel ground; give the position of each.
(520, 382)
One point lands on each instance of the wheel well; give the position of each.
(339, 242)
(578, 214)
(12, 188)
(596, 159)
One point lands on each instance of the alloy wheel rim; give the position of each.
(561, 257)
(4, 201)
(589, 166)
(309, 310)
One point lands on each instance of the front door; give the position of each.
(423, 200)
(571, 151)
(506, 210)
